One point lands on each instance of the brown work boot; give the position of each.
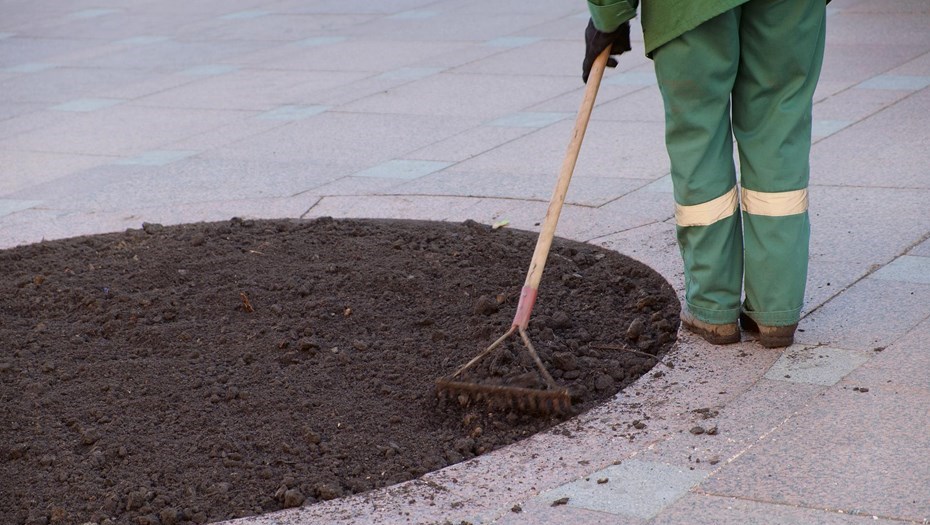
(717, 334)
(769, 336)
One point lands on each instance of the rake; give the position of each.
(554, 398)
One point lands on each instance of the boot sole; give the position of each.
(711, 337)
(766, 340)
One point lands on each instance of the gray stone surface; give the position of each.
(702, 509)
(907, 268)
(633, 488)
(817, 365)
(838, 454)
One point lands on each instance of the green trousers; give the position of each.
(749, 73)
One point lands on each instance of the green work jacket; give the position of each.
(662, 20)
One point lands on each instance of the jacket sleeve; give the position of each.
(609, 14)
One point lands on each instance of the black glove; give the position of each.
(595, 41)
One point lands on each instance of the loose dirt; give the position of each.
(196, 373)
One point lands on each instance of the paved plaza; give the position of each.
(114, 113)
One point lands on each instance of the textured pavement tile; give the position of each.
(897, 157)
(839, 454)
(644, 104)
(857, 62)
(905, 364)
(23, 169)
(381, 207)
(292, 112)
(403, 169)
(635, 488)
(660, 185)
(887, 220)
(533, 119)
(142, 40)
(589, 191)
(411, 73)
(907, 269)
(827, 279)
(5, 35)
(825, 128)
(481, 96)
(156, 158)
(702, 509)
(563, 514)
(122, 130)
(93, 13)
(854, 105)
(245, 15)
(740, 423)
(849, 320)
(632, 78)
(353, 55)
(8, 206)
(610, 149)
(921, 250)
(315, 41)
(468, 143)
(207, 70)
(815, 365)
(87, 104)
(896, 82)
(29, 67)
(414, 14)
(347, 138)
(512, 41)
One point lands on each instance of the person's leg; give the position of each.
(781, 52)
(695, 73)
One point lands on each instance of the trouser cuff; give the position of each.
(714, 316)
(782, 318)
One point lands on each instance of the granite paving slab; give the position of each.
(842, 436)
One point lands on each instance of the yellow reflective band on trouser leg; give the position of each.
(709, 212)
(774, 204)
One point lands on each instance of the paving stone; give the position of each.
(816, 365)
(142, 40)
(156, 158)
(384, 207)
(29, 67)
(826, 279)
(703, 509)
(636, 488)
(207, 70)
(512, 41)
(631, 78)
(562, 58)
(87, 104)
(94, 13)
(904, 364)
(610, 149)
(347, 138)
(921, 250)
(403, 169)
(9, 206)
(411, 73)
(586, 191)
(5, 35)
(245, 15)
(480, 96)
(844, 219)
(548, 515)
(857, 62)
(740, 423)
(896, 82)
(178, 55)
(825, 128)
(469, 143)
(842, 436)
(849, 320)
(320, 41)
(533, 119)
(907, 268)
(24, 169)
(643, 105)
(290, 113)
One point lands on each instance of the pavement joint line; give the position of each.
(822, 508)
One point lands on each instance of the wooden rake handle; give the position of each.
(547, 233)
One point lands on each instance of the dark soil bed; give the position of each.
(203, 372)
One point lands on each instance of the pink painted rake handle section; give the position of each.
(547, 232)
